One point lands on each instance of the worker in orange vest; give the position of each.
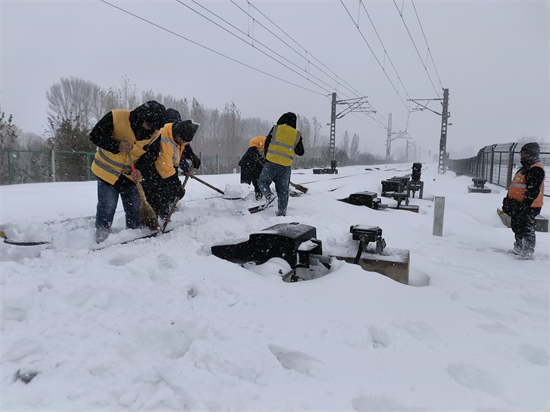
(526, 192)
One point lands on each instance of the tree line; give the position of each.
(75, 105)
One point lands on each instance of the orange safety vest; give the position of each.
(109, 166)
(170, 153)
(517, 187)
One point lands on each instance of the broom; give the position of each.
(147, 215)
(299, 187)
(173, 208)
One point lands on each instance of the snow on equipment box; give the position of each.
(368, 199)
(283, 240)
(393, 263)
(479, 186)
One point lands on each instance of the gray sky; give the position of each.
(493, 57)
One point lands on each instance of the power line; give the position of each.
(209, 49)
(261, 51)
(416, 48)
(428, 47)
(374, 54)
(294, 50)
(384, 47)
(233, 59)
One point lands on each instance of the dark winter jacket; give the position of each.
(102, 133)
(534, 178)
(290, 120)
(251, 165)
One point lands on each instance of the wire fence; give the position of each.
(39, 166)
(497, 163)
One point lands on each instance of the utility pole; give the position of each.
(441, 168)
(399, 135)
(445, 114)
(333, 128)
(358, 104)
(388, 139)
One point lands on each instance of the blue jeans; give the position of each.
(281, 176)
(107, 199)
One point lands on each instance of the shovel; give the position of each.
(173, 208)
(206, 184)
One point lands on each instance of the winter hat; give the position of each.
(153, 113)
(532, 149)
(259, 142)
(289, 119)
(185, 129)
(172, 115)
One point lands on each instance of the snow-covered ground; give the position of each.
(162, 324)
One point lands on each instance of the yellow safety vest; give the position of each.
(109, 166)
(170, 152)
(283, 142)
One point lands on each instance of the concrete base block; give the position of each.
(410, 208)
(541, 223)
(393, 263)
(478, 189)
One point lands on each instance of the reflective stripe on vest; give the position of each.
(517, 187)
(282, 146)
(175, 147)
(170, 153)
(109, 166)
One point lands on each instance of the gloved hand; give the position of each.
(181, 192)
(196, 161)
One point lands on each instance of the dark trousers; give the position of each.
(107, 200)
(281, 176)
(523, 226)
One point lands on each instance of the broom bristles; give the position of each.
(147, 215)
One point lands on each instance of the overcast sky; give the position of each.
(492, 56)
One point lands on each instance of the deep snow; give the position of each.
(162, 324)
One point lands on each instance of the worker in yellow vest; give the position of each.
(281, 145)
(122, 136)
(525, 198)
(160, 178)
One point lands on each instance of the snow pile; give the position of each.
(162, 324)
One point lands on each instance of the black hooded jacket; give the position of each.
(534, 178)
(289, 119)
(151, 112)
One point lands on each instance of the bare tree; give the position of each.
(72, 97)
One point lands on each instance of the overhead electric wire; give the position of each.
(416, 48)
(238, 61)
(261, 51)
(245, 34)
(374, 54)
(427, 45)
(384, 47)
(292, 48)
(209, 49)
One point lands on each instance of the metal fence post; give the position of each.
(9, 167)
(510, 164)
(52, 165)
(492, 164)
(88, 166)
